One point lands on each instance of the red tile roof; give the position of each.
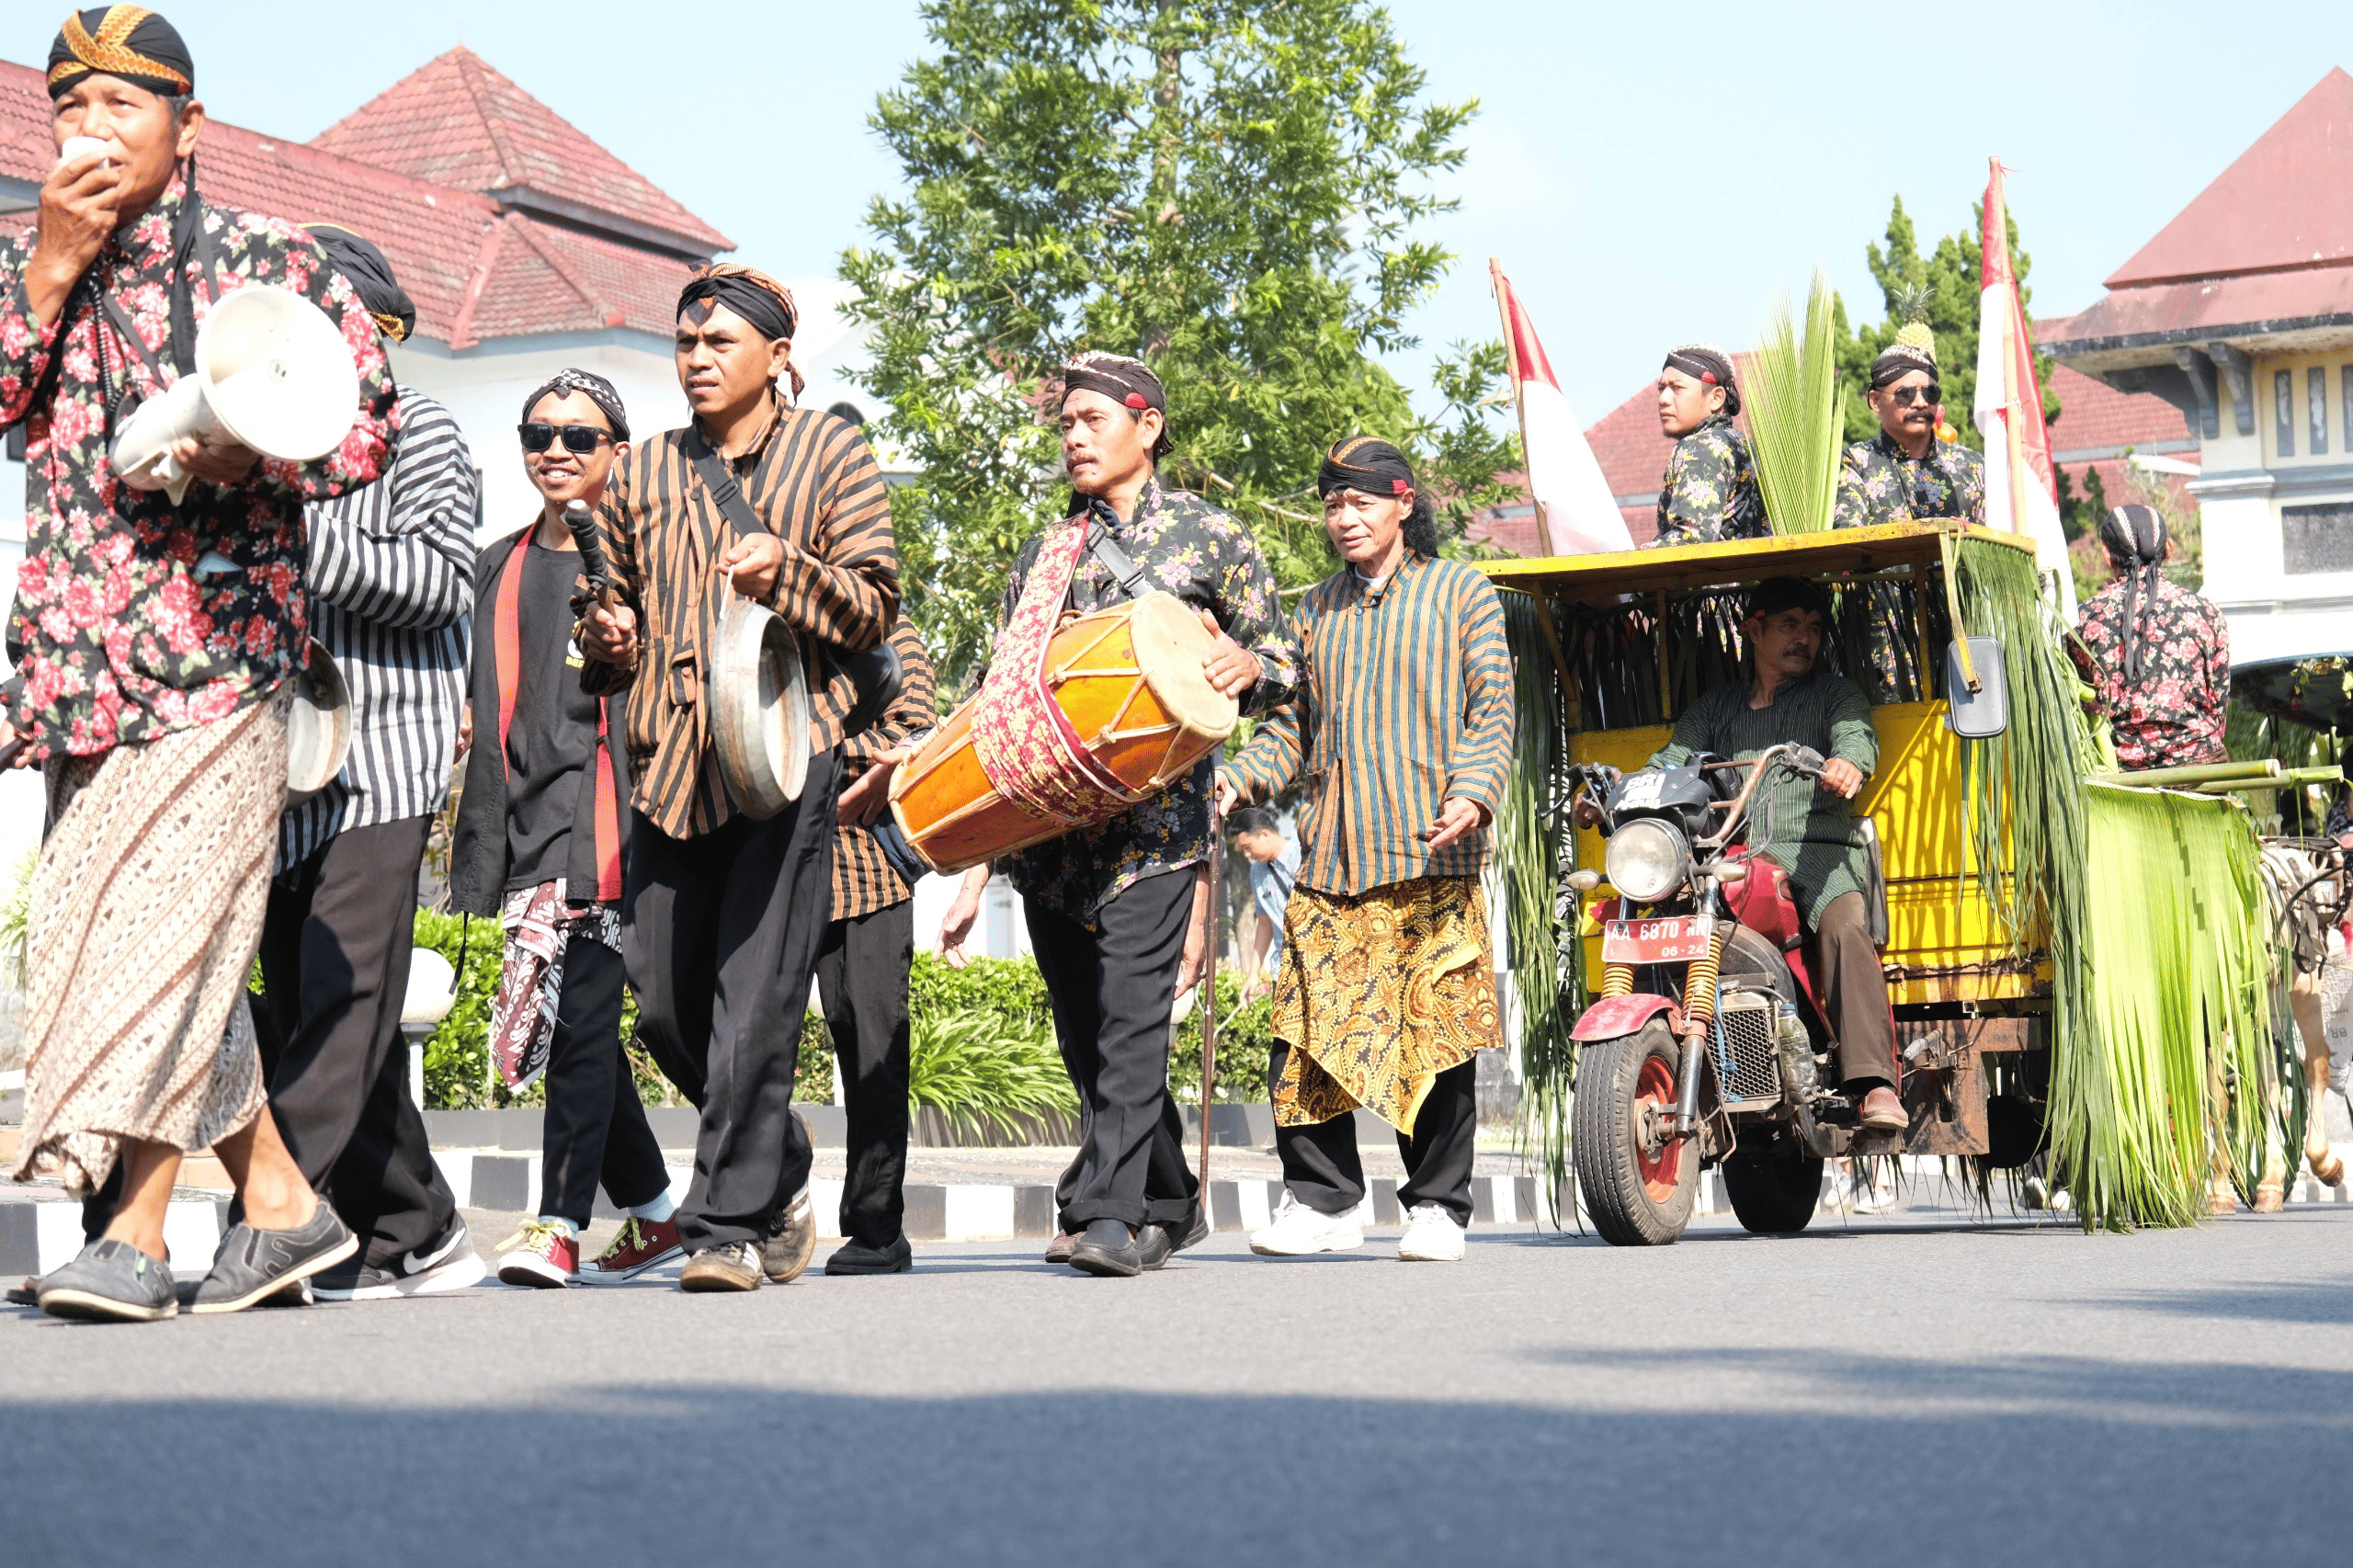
(456, 122)
(2287, 202)
(474, 272)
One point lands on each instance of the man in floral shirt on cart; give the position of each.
(154, 641)
(2161, 654)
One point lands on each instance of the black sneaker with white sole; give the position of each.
(254, 1265)
(111, 1282)
(449, 1263)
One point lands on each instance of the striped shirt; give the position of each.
(391, 578)
(809, 478)
(863, 881)
(1408, 699)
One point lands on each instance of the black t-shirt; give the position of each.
(554, 736)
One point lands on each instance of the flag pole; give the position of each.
(1501, 287)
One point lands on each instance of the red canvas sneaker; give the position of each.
(541, 1254)
(640, 1245)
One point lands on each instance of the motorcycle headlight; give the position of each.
(1646, 859)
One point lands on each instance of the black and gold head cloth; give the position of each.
(1128, 382)
(1914, 348)
(120, 40)
(1708, 365)
(1365, 463)
(371, 276)
(764, 304)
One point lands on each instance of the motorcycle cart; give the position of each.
(1699, 1042)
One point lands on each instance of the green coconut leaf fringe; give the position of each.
(1797, 413)
(1547, 961)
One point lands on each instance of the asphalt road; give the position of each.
(1868, 1391)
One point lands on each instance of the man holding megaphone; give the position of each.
(154, 639)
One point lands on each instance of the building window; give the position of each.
(2283, 412)
(2316, 402)
(2317, 539)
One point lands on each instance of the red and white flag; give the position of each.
(2021, 493)
(1573, 499)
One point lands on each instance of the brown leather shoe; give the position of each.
(1061, 1246)
(792, 1240)
(1884, 1111)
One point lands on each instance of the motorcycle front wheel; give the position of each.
(1637, 1185)
(1773, 1195)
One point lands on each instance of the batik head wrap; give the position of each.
(1377, 468)
(1708, 365)
(765, 304)
(2135, 538)
(371, 276)
(593, 387)
(120, 40)
(1914, 348)
(1128, 382)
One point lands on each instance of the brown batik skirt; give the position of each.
(145, 911)
(1378, 996)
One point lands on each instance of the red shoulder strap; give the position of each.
(608, 812)
(507, 641)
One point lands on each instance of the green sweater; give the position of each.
(1815, 837)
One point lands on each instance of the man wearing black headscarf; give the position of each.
(389, 572)
(1710, 490)
(1904, 473)
(2161, 654)
(724, 913)
(1118, 914)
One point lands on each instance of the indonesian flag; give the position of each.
(1573, 499)
(2021, 493)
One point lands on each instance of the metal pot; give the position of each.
(318, 726)
(759, 708)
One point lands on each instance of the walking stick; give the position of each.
(1208, 994)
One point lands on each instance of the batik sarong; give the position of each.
(1377, 995)
(540, 926)
(144, 914)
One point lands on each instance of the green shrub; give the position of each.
(974, 1067)
(1244, 1035)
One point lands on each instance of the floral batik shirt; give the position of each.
(1710, 490)
(1206, 558)
(2172, 715)
(1883, 483)
(135, 617)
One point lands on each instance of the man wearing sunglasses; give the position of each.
(538, 843)
(1904, 473)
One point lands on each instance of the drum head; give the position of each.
(759, 708)
(318, 726)
(1171, 642)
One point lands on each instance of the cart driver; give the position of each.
(1813, 835)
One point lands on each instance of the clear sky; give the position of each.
(1647, 172)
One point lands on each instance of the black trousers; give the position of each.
(1112, 986)
(721, 932)
(334, 960)
(1853, 987)
(862, 976)
(1321, 1165)
(595, 1129)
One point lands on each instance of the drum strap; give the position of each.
(1116, 561)
(876, 672)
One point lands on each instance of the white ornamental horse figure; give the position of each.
(2305, 887)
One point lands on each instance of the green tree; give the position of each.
(1230, 189)
(1942, 288)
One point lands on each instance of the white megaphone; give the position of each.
(272, 373)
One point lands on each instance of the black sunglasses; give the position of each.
(1904, 397)
(580, 438)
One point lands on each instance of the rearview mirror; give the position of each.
(1981, 714)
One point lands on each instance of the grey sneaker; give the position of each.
(792, 1239)
(111, 1282)
(255, 1263)
(735, 1266)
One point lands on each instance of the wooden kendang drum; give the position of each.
(1116, 710)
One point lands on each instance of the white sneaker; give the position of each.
(1298, 1230)
(1432, 1235)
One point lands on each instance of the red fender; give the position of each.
(1613, 1017)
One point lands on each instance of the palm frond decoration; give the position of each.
(1547, 965)
(1797, 413)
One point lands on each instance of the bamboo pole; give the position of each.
(2201, 773)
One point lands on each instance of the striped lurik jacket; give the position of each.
(811, 479)
(390, 579)
(1407, 701)
(863, 880)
